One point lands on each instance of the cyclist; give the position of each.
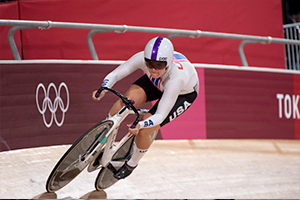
(169, 78)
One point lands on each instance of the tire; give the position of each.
(105, 177)
(69, 166)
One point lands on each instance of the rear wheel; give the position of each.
(76, 158)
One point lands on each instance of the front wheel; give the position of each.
(75, 159)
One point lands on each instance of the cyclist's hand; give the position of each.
(135, 130)
(100, 97)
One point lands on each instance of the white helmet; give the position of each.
(159, 49)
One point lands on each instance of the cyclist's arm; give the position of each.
(125, 69)
(171, 92)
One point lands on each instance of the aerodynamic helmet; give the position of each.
(159, 49)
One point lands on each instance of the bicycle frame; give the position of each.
(110, 136)
(110, 148)
(117, 119)
(97, 143)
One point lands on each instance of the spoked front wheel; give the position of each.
(78, 156)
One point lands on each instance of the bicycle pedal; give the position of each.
(124, 171)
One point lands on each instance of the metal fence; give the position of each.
(292, 52)
(100, 28)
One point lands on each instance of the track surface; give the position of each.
(171, 169)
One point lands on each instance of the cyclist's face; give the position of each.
(156, 68)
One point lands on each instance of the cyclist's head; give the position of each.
(159, 49)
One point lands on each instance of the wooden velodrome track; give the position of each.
(173, 169)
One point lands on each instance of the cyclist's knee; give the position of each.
(147, 115)
(137, 94)
(146, 132)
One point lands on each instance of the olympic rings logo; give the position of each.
(53, 106)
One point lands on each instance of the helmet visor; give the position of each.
(153, 64)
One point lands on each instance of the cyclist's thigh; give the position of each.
(182, 104)
(152, 92)
(137, 94)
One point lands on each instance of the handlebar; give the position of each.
(126, 101)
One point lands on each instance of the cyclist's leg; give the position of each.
(143, 139)
(135, 93)
(142, 143)
(141, 91)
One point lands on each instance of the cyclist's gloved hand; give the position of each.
(135, 130)
(100, 97)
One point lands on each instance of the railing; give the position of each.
(292, 52)
(100, 28)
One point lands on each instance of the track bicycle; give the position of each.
(97, 145)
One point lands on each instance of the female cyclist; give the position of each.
(169, 78)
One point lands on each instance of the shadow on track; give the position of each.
(90, 195)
